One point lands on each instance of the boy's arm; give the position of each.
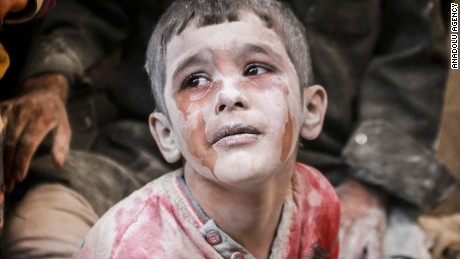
(72, 37)
(75, 35)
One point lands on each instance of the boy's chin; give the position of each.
(241, 178)
(246, 171)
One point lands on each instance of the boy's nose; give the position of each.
(230, 97)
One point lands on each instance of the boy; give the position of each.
(231, 81)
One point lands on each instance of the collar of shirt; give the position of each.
(223, 243)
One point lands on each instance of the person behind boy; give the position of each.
(232, 85)
(14, 12)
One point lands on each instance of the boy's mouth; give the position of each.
(235, 134)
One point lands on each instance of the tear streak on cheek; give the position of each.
(196, 141)
(199, 147)
(182, 105)
(287, 138)
(188, 99)
(187, 111)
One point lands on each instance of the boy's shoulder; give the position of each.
(150, 194)
(130, 218)
(314, 182)
(316, 190)
(319, 199)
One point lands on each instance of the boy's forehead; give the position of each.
(248, 34)
(250, 20)
(242, 14)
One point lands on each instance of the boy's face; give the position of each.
(234, 100)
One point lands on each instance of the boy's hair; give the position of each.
(182, 13)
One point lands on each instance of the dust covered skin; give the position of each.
(234, 101)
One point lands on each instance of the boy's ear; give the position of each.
(315, 104)
(160, 128)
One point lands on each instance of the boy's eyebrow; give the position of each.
(197, 58)
(250, 48)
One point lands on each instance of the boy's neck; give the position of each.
(249, 214)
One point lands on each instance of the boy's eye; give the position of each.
(195, 81)
(256, 69)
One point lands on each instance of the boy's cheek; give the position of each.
(190, 107)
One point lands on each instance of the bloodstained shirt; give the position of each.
(163, 220)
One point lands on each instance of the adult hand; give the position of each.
(444, 230)
(363, 221)
(38, 110)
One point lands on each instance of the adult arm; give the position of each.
(399, 108)
(400, 105)
(72, 37)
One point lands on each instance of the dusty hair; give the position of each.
(182, 13)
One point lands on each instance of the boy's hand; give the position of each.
(37, 111)
(363, 221)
